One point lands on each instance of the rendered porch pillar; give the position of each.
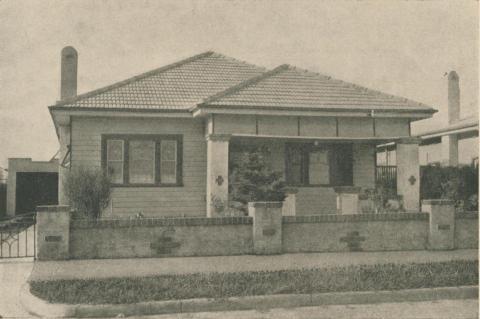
(408, 173)
(449, 150)
(64, 139)
(217, 174)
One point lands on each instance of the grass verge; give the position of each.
(218, 285)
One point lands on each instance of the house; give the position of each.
(166, 136)
(452, 145)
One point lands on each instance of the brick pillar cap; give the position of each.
(291, 190)
(347, 189)
(53, 208)
(438, 202)
(266, 204)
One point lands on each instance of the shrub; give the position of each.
(456, 183)
(88, 190)
(252, 180)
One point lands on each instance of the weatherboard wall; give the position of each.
(186, 200)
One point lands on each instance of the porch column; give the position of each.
(217, 174)
(408, 173)
(64, 139)
(449, 150)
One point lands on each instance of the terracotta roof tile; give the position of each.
(213, 80)
(290, 87)
(177, 86)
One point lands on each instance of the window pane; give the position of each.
(296, 168)
(115, 150)
(115, 172)
(169, 150)
(168, 162)
(141, 161)
(318, 167)
(168, 172)
(115, 161)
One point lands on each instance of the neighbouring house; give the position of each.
(452, 145)
(167, 136)
(30, 184)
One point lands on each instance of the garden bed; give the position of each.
(220, 285)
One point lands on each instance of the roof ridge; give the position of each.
(135, 78)
(244, 84)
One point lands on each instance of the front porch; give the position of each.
(315, 163)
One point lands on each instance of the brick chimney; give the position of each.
(453, 97)
(68, 82)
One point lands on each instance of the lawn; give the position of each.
(217, 285)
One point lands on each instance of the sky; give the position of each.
(403, 48)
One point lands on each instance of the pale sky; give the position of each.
(399, 47)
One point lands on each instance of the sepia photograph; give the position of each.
(239, 159)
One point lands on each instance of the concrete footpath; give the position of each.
(105, 268)
(13, 276)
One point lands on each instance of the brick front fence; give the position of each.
(437, 228)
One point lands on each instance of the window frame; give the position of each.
(157, 138)
(306, 149)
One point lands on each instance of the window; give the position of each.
(143, 160)
(322, 165)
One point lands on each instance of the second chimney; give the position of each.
(68, 82)
(453, 97)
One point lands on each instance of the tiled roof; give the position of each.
(177, 86)
(290, 87)
(213, 80)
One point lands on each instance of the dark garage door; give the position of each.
(35, 189)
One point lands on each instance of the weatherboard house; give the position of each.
(167, 136)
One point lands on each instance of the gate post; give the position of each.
(53, 232)
(441, 234)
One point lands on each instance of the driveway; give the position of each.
(13, 274)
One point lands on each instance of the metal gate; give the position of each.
(17, 237)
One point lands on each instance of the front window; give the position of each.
(143, 159)
(319, 165)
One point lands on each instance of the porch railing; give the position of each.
(386, 176)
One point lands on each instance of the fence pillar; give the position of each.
(267, 227)
(53, 232)
(441, 234)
